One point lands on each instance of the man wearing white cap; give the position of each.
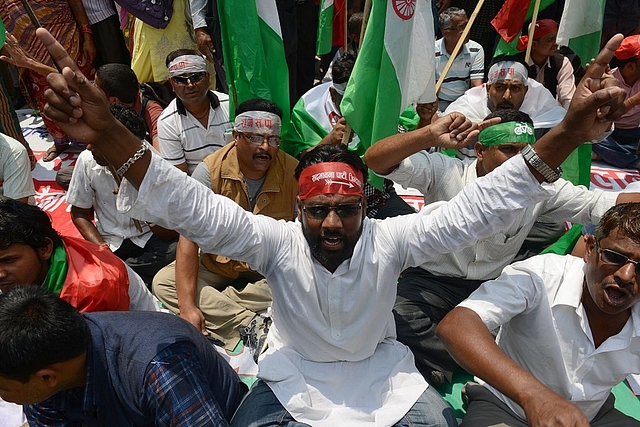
(258, 176)
(194, 124)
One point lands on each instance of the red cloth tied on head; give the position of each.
(330, 178)
(543, 27)
(629, 48)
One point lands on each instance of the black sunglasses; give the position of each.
(614, 258)
(345, 210)
(193, 78)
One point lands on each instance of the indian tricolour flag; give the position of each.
(394, 68)
(331, 25)
(253, 51)
(581, 27)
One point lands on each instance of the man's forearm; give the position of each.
(385, 156)
(186, 273)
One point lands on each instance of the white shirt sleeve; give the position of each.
(140, 298)
(16, 171)
(80, 192)
(171, 148)
(198, 13)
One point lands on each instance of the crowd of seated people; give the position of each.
(209, 228)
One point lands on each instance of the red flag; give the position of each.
(339, 24)
(509, 20)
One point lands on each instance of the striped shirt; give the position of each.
(182, 137)
(98, 10)
(468, 65)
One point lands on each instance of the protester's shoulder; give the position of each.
(474, 47)
(171, 109)
(10, 144)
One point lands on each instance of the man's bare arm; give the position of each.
(81, 218)
(475, 349)
(187, 283)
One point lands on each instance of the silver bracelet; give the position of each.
(136, 156)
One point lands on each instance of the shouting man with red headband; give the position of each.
(332, 357)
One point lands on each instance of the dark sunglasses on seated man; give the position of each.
(193, 78)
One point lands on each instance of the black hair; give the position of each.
(354, 24)
(510, 115)
(625, 217)
(130, 119)
(38, 330)
(118, 80)
(24, 224)
(343, 67)
(331, 153)
(259, 104)
(179, 52)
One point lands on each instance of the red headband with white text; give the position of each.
(330, 178)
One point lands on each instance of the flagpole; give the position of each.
(456, 49)
(345, 42)
(532, 29)
(36, 23)
(348, 130)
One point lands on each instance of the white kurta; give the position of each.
(332, 357)
(545, 330)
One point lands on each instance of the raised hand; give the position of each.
(598, 99)
(456, 131)
(77, 106)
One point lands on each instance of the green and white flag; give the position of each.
(394, 68)
(325, 28)
(581, 27)
(254, 53)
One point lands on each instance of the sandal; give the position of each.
(54, 151)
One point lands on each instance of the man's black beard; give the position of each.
(331, 259)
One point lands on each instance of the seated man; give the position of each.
(467, 70)
(120, 84)
(546, 66)
(333, 358)
(509, 87)
(109, 369)
(317, 120)
(194, 124)
(255, 174)
(88, 276)
(620, 148)
(15, 170)
(146, 248)
(568, 333)
(428, 292)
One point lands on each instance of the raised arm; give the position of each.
(474, 348)
(451, 131)
(81, 110)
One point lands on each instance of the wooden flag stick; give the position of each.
(345, 41)
(348, 130)
(456, 49)
(532, 29)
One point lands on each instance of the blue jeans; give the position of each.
(261, 408)
(619, 148)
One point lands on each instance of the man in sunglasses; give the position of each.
(333, 358)
(569, 333)
(428, 292)
(209, 290)
(194, 124)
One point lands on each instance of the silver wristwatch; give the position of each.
(531, 157)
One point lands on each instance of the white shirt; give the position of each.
(333, 358)
(15, 169)
(546, 331)
(468, 65)
(92, 185)
(440, 177)
(182, 137)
